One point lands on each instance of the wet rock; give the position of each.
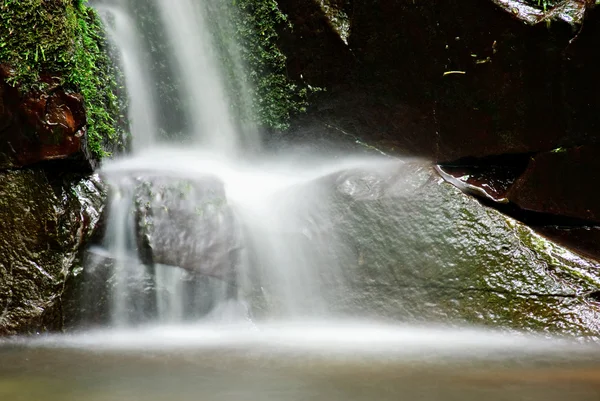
(584, 240)
(551, 191)
(563, 182)
(489, 178)
(419, 250)
(47, 217)
(42, 126)
(87, 300)
(451, 79)
(571, 12)
(315, 50)
(187, 223)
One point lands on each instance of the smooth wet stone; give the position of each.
(563, 182)
(489, 178)
(187, 223)
(583, 240)
(417, 249)
(46, 219)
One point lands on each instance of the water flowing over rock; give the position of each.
(46, 219)
(379, 238)
(187, 223)
(309, 234)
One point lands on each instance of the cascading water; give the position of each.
(121, 30)
(214, 230)
(205, 235)
(203, 92)
(257, 234)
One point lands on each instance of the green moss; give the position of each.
(48, 40)
(92, 74)
(560, 261)
(544, 4)
(272, 97)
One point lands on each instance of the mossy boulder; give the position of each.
(58, 88)
(423, 251)
(411, 247)
(47, 218)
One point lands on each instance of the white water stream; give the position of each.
(276, 210)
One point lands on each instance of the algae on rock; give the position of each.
(264, 94)
(42, 41)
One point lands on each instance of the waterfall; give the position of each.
(122, 31)
(203, 93)
(209, 230)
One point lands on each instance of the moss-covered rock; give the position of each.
(46, 219)
(247, 30)
(423, 251)
(49, 45)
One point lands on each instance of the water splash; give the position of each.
(283, 237)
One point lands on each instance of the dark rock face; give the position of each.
(564, 182)
(42, 126)
(451, 80)
(491, 78)
(46, 219)
(187, 223)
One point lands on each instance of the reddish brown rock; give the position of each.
(564, 182)
(42, 125)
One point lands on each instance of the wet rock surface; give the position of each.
(42, 126)
(424, 251)
(450, 80)
(490, 179)
(47, 217)
(553, 192)
(417, 249)
(187, 223)
(584, 240)
(563, 182)
(485, 79)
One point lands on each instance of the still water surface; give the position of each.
(293, 361)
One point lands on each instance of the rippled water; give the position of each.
(297, 361)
